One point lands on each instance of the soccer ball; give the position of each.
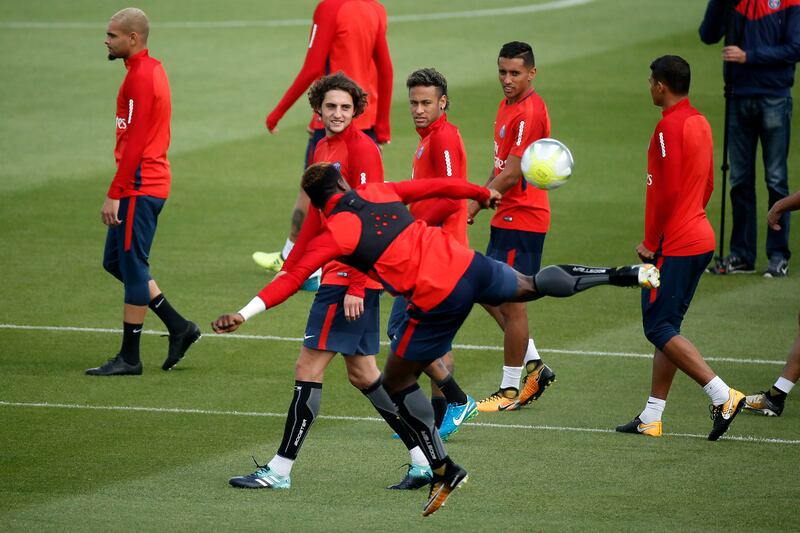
(547, 163)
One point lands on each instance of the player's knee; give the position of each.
(137, 292)
(659, 334)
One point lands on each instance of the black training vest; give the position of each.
(380, 224)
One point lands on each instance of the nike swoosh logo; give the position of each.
(137, 330)
(506, 407)
(457, 421)
(308, 336)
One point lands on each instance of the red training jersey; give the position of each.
(440, 153)
(143, 119)
(680, 179)
(422, 263)
(524, 207)
(347, 35)
(359, 162)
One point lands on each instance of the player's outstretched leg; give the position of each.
(561, 281)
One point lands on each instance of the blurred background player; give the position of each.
(346, 35)
(762, 46)
(680, 241)
(138, 193)
(345, 315)
(770, 402)
(519, 226)
(439, 154)
(370, 229)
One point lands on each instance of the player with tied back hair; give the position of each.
(679, 239)
(519, 226)
(370, 230)
(138, 193)
(345, 315)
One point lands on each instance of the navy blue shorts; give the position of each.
(427, 335)
(128, 245)
(327, 329)
(522, 250)
(663, 309)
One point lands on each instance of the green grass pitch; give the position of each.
(155, 452)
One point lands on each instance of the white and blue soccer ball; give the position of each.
(547, 163)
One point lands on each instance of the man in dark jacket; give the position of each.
(762, 45)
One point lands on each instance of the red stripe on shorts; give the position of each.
(401, 347)
(654, 292)
(129, 223)
(326, 327)
(512, 254)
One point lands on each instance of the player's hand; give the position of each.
(774, 216)
(227, 323)
(734, 54)
(110, 211)
(472, 211)
(353, 307)
(643, 253)
(493, 200)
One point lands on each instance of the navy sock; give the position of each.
(451, 390)
(439, 404)
(169, 316)
(131, 333)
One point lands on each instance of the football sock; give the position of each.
(417, 414)
(565, 280)
(532, 354)
(417, 457)
(511, 377)
(439, 404)
(451, 390)
(169, 316)
(717, 390)
(131, 333)
(281, 465)
(302, 412)
(380, 400)
(287, 249)
(783, 385)
(652, 410)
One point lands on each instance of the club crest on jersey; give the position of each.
(419, 152)
(774, 4)
(502, 131)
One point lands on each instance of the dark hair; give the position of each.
(334, 82)
(518, 49)
(674, 72)
(320, 183)
(429, 77)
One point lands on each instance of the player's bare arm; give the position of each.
(790, 203)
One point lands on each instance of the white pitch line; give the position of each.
(179, 410)
(225, 24)
(472, 347)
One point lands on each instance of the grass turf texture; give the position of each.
(232, 192)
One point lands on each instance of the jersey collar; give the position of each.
(527, 95)
(683, 103)
(433, 126)
(135, 58)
